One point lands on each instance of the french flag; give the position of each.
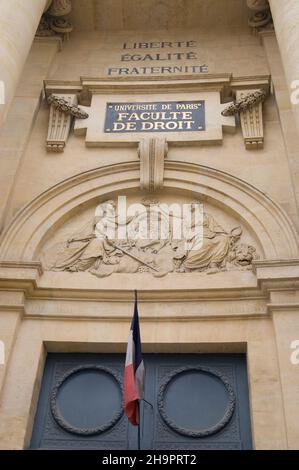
(134, 371)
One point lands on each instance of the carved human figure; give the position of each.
(216, 243)
(92, 246)
(142, 251)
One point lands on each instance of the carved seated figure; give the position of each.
(216, 244)
(89, 248)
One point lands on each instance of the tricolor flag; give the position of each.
(134, 371)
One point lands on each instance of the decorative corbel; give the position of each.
(63, 108)
(152, 152)
(249, 104)
(53, 21)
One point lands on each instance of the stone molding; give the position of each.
(224, 83)
(268, 222)
(22, 294)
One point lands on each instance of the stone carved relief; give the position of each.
(249, 103)
(90, 250)
(53, 21)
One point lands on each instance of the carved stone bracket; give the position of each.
(252, 121)
(60, 120)
(249, 103)
(152, 152)
(53, 21)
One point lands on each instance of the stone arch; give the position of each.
(265, 218)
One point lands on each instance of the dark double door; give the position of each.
(198, 401)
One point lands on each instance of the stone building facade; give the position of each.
(162, 102)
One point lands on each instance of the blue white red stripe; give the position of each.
(134, 371)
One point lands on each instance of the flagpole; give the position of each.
(139, 437)
(139, 403)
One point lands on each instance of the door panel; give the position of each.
(201, 402)
(197, 401)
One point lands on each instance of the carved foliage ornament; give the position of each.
(248, 100)
(66, 107)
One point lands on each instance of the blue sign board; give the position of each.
(166, 116)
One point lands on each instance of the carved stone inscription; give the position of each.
(166, 116)
(144, 58)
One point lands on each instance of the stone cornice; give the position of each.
(225, 83)
(277, 270)
(29, 266)
(43, 298)
(283, 307)
(50, 40)
(264, 33)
